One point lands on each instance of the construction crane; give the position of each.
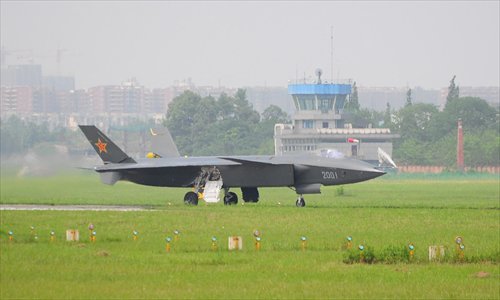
(20, 54)
(29, 56)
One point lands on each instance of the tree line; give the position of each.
(17, 136)
(227, 125)
(428, 136)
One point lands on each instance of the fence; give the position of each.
(441, 169)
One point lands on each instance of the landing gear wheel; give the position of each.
(230, 199)
(191, 198)
(250, 194)
(300, 202)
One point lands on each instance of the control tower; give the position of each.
(319, 124)
(318, 105)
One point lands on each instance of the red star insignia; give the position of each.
(101, 146)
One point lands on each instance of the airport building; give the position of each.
(319, 124)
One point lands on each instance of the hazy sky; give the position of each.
(422, 43)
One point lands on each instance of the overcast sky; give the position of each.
(422, 43)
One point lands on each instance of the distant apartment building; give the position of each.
(22, 75)
(16, 99)
(45, 101)
(26, 100)
(26, 91)
(376, 98)
(158, 100)
(59, 83)
(74, 101)
(263, 97)
(489, 93)
(129, 97)
(107, 98)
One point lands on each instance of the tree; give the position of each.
(265, 129)
(453, 91)
(388, 116)
(476, 115)
(182, 112)
(408, 98)
(428, 136)
(414, 122)
(227, 125)
(18, 136)
(362, 118)
(243, 109)
(481, 148)
(275, 115)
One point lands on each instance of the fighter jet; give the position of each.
(208, 175)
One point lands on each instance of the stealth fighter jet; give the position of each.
(208, 175)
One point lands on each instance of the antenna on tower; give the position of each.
(318, 73)
(331, 50)
(296, 73)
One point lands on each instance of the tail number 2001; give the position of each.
(329, 175)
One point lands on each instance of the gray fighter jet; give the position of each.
(208, 175)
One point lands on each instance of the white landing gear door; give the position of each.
(211, 193)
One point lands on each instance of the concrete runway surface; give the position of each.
(72, 207)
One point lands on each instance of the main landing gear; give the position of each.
(191, 198)
(230, 198)
(249, 194)
(206, 174)
(300, 201)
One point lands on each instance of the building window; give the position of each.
(325, 124)
(325, 105)
(308, 124)
(306, 102)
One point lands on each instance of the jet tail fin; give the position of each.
(105, 148)
(162, 143)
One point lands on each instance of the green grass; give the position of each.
(380, 213)
(84, 187)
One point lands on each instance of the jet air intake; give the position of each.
(314, 188)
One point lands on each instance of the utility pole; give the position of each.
(460, 147)
(331, 51)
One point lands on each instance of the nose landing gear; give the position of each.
(300, 201)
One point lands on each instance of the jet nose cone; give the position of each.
(361, 171)
(375, 173)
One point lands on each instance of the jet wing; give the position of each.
(249, 160)
(153, 163)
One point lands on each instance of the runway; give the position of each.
(72, 207)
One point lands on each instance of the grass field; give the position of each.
(390, 211)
